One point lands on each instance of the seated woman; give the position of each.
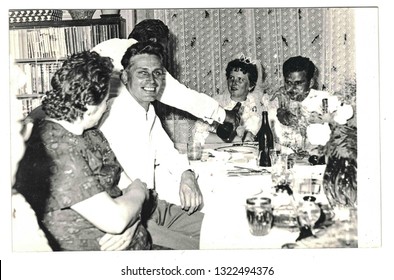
(69, 174)
(241, 75)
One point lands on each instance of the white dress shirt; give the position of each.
(139, 141)
(175, 94)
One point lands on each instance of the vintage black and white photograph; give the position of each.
(192, 129)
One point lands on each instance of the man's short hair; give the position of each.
(299, 64)
(142, 47)
(150, 30)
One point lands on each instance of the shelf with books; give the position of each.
(39, 49)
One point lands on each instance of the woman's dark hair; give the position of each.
(144, 47)
(246, 67)
(299, 64)
(150, 30)
(82, 80)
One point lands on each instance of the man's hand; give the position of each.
(283, 98)
(189, 192)
(233, 116)
(285, 117)
(118, 242)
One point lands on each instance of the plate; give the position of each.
(238, 149)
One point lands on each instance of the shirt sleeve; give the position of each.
(55, 170)
(198, 104)
(115, 49)
(72, 178)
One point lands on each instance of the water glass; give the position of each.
(279, 168)
(194, 151)
(259, 215)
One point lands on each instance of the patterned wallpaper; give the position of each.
(203, 41)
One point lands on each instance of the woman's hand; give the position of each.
(189, 192)
(118, 242)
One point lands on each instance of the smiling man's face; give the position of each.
(297, 85)
(144, 78)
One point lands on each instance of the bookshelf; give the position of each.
(39, 49)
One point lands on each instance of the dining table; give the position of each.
(228, 174)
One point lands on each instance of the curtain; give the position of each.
(203, 41)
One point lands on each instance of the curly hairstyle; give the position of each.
(150, 30)
(144, 47)
(247, 68)
(299, 64)
(82, 80)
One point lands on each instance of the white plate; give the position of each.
(238, 149)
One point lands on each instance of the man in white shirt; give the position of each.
(175, 94)
(140, 143)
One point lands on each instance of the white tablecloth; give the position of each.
(225, 225)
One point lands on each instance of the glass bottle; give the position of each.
(324, 106)
(266, 141)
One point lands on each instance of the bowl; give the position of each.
(81, 14)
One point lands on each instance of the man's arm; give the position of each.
(115, 49)
(199, 104)
(177, 165)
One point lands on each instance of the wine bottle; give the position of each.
(227, 131)
(266, 141)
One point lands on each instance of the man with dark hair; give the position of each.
(303, 118)
(140, 142)
(150, 30)
(175, 94)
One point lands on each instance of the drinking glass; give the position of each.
(194, 150)
(278, 171)
(259, 215)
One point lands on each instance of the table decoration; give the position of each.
(340, 177)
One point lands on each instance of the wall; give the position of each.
(203, 41)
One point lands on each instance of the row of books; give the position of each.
(28, 105)
(58, 42)
(38, 78)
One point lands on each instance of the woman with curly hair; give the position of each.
(70, 175)
(241, 78)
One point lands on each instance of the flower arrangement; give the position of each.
(340, 177)
(343, 140)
